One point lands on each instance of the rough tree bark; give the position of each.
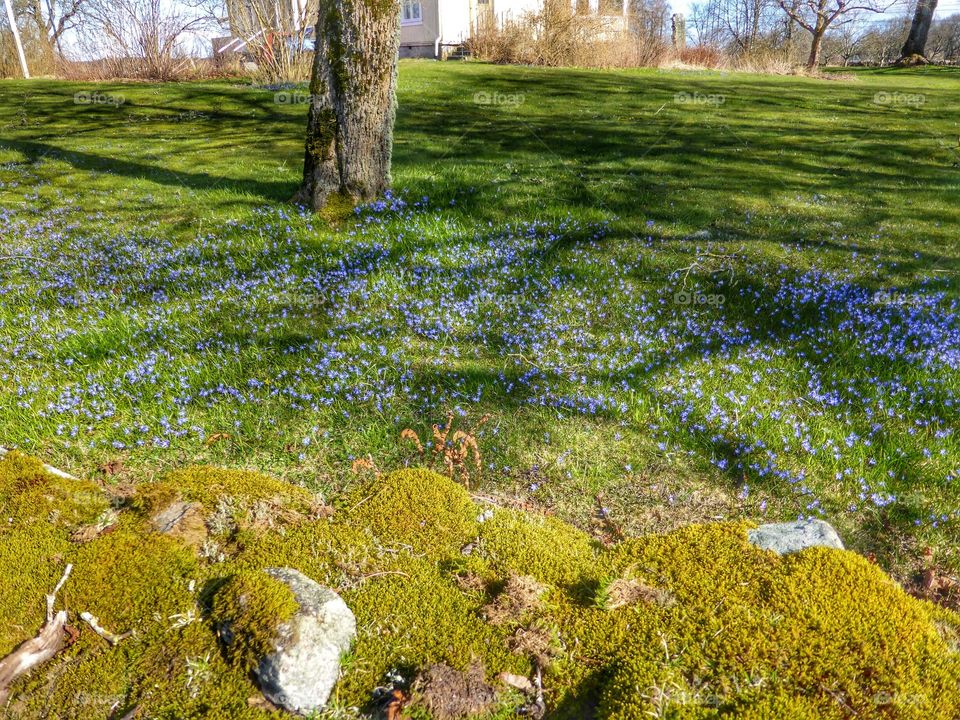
(352, 104)
(816, 44)
(916, 43)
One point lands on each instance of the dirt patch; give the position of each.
(449, 694)
(520, 595)
(624, 592)
(936, 584)
(535, 642)
(470, 582)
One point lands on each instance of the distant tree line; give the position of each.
(835, 32)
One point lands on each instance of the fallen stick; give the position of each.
(49, 468)
(39, 649)
(95, 625)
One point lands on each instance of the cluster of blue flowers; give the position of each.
(799, 380)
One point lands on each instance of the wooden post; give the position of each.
(16, 38)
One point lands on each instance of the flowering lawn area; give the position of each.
(678, 295)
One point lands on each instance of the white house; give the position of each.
(431, 28)
(428, 28)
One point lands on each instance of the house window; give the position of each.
(412, 12)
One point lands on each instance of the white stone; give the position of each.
(300, 674)
(790, 537)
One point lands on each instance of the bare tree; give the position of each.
(917, 39)
(846, 42)
(743, 20)
(276, 34)
(648, 19)
(353, 102)
(144, 37)
(736, 25)
(944, 41)
(818, 16)
(881, 45)
(55, 18)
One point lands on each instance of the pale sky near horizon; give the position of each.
(903, 7)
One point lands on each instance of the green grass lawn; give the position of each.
(678, 295)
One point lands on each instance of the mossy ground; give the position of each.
(739, 632)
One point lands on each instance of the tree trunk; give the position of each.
(917, 39)
(352, 102)
(813, 61)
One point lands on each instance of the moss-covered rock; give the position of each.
(249, 608)
(693, 624)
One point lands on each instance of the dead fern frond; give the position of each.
(412, 436)
(440, 434)
(452, 448)
(365, 465)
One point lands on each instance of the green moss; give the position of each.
(416, 617)
(232, 501)
(19, 472)
(817, 631)
(542, 547)
(39, 510)
(418, 508)
(30, 564)
(745, 633)
(130, 576)
(251, 605)
(207, 485)
(28, 493)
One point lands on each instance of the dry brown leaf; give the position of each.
(217, 437)
(396, 700)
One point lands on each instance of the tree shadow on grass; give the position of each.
(86, 161)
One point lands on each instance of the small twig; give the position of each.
(95, 625)
(361, 502)
(52, 597)
(49, 468)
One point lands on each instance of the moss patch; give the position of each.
(419, 508)
(249, 608)
(693, 624)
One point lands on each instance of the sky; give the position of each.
(946, 7)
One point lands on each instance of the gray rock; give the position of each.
(182, 520)
(300, 674)
(790, 537)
